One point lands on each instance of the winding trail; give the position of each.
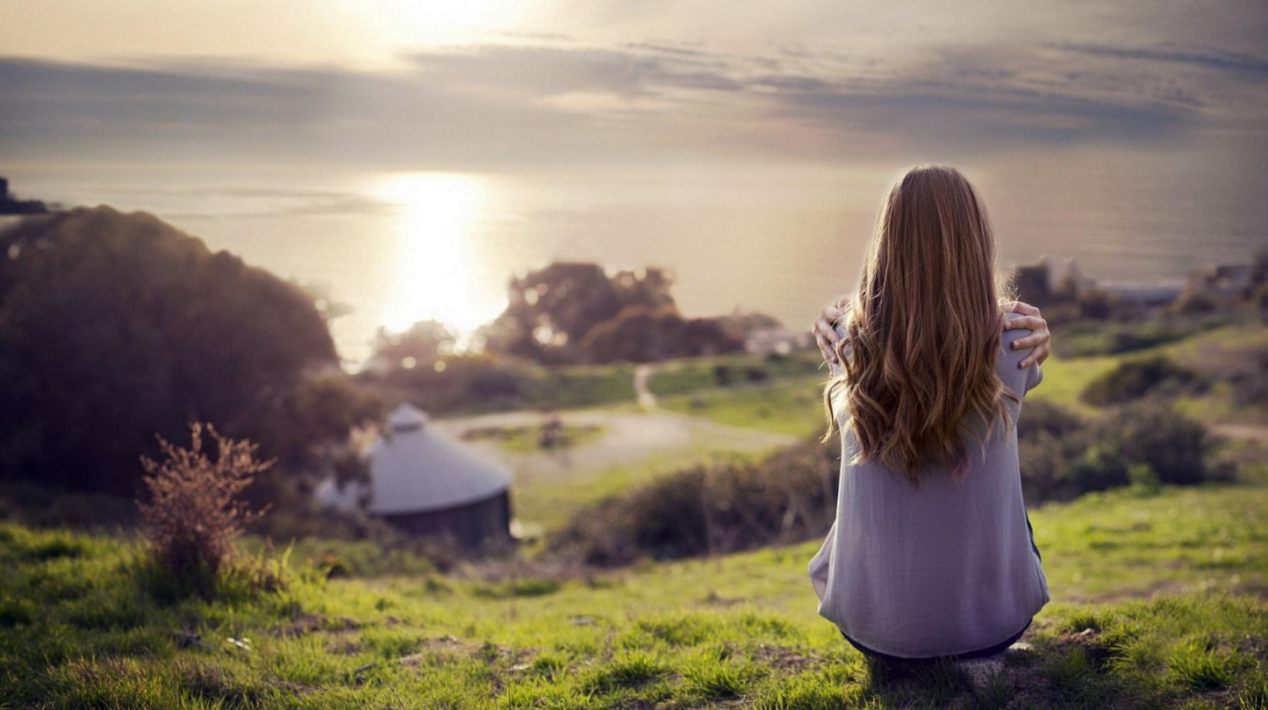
(628, 437)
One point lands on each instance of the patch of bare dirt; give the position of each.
(311, 623)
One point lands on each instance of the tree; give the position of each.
(115, 327)
(642, 334)
(549, 311)
(422, 344)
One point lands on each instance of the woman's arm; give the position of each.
(1040, 338)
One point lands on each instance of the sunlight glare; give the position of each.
(433, 267)
(449, 21)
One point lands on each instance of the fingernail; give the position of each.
(1013, 345)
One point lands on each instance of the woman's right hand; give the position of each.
(825, 332)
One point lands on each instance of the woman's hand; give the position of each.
(1039, 339)
(825, 332)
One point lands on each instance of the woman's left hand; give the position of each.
(1040, 338)
(825, 332)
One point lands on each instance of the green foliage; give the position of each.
(91, 635)
(551, 310)
(1173, 446)
(709, 509)
(1254, 696)
(1086, 339)
(520, 587)
(1149, 444)
(792, 405)
(694, 374)
(645, 334)
(1134, 379)
(713, 675)
(628, 670)
(810, 691)
(1198, 664)
(146, 329)
(469, 384)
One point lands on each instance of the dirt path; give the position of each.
(628, 438)
(1255, 432)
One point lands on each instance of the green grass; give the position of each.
(793, 404)
(789, 406)
(1160, 604)
(552, 504)
(694, 374)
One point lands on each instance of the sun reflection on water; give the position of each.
(434, 267)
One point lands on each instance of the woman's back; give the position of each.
(944, 568)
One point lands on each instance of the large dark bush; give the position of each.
(116, 326)
(1063, 457)
(1134, 379)
(1171, 445)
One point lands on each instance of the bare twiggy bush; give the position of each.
(194, 513)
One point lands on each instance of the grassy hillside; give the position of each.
(1159, 603)
(793, 404)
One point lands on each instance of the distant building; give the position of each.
(779, 341)
(428, 484)
(10, 204)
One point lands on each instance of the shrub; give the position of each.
(1173, 446)
(1134, 379)
(1039, 417)
(106, 312)
(790, 495)
(195, 512)
(1250, 387)
(1147, 444)
(709, 509)
(1083, 339)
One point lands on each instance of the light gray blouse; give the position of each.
(943, 569)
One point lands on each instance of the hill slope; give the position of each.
(1182, 623)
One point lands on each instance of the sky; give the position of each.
(503, 85)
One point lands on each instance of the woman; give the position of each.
(931, 554)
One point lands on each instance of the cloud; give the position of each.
(542, 100)
(1219, 59)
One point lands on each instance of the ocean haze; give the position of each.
(399, 247)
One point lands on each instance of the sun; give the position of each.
(442, 21)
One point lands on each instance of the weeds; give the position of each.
(194, 513)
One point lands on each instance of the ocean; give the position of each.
(396, 247)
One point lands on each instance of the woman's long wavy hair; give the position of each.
(923, 332)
